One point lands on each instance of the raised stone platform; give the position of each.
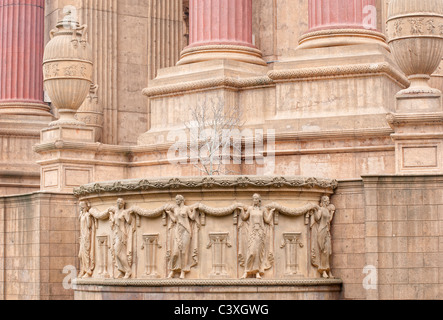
(242, 237)
(230, 289)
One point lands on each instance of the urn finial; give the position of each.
(415, 32)
(68, 68)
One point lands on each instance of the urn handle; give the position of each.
(52, 33)
(83, 30)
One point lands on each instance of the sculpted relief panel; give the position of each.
(197, 241)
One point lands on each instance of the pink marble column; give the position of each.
(220, 22)
(21, 55)
(220, 30)
(341, 23)
(338, 14)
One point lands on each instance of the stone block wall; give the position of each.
(393, 223)
(21, 248)
(404, 219)
(390, 227)
(348, 236)
(19, 172)
(38, 238)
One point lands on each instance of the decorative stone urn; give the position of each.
(68, 68)
(415, 32)
(91, 113)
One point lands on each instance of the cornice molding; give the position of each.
(205, 183)
(354, 70)
(20, 133)
(415, 118)
(217, 83)
(97, 147)
(206, 283)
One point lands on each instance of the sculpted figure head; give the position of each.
(256, 199)
(325, 201)
(84, 206)
(179, 200)
(120, 203)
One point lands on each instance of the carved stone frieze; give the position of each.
(164, 239)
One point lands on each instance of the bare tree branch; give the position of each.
(211, 122)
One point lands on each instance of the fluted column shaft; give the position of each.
(226, 22)
(338, 14)
(21, 55)
(220, 29)
(342, 23)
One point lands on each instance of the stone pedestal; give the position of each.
(418, 117)
(418, 137)
(65, 158)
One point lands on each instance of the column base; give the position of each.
(25, 109)
(216, 52)
(341, 37)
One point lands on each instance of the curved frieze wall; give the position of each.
(206, 228)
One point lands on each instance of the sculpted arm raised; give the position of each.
(169, 209)
(268, 215)
(245, 213)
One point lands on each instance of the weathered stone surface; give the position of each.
(325, 90)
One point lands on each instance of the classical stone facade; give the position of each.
(328, 173)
